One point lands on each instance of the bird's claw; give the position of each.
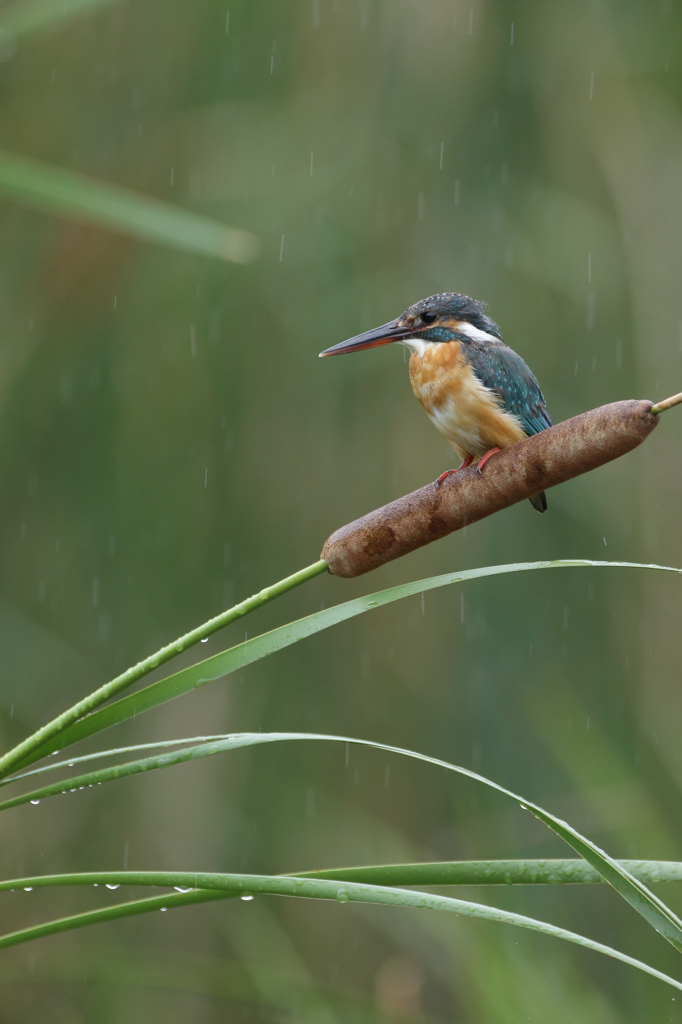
(439, 481)
(482, 461)
(448, 472)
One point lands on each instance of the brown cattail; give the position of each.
(533, 465)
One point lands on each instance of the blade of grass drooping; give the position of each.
(134, 748)
(65, 193)
(239, 656)
(40, 743)
(214, 886)
(20, 19)
(527, 871)
(653, 909)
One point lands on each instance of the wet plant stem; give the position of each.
(669, 403)
(143, 668)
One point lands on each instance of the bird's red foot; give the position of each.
(448, 472)
(482, 461)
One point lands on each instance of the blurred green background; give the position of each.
(170, 443)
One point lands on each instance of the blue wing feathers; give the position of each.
(501, 370)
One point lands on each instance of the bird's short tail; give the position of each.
(539, 502)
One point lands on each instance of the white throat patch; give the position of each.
(420, 345)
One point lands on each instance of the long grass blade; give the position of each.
(42, 742)
(28, 16)
(247, 653)
(558, 871)
(214, 886)
(115, 752)
(653, 909)
(78, 197)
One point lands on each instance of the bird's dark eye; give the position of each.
(429, 317)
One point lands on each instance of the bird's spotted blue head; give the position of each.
(449, 316)
(445, 317)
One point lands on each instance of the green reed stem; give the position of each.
(563, 871)
(669, 403)
(214, 887)
(143, 668)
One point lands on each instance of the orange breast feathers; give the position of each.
(469, 416)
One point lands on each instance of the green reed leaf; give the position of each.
(653, 909)
(235, 658)
(75, 196)
(220, 886)
(555, 871)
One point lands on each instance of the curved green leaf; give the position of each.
(630, 888)
(243, 654)
(215, 886)
(40, 743)
(66, 193)
(27, 16)
(133, 748)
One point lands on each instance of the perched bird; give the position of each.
(476, 391)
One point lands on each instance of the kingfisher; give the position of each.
(476, 391)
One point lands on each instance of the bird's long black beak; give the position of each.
(383, 335)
